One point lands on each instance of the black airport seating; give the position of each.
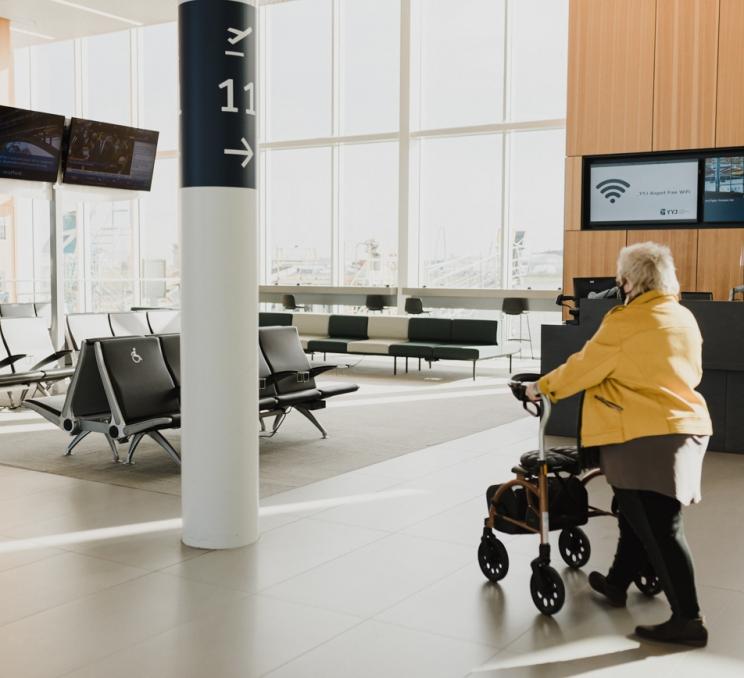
(82, 326)
(429, 339)
(164, 321)
(294, 378)
(342, 329)
(129, 323)
(10, 379)
(23, 310)
(171, 345)
(39, 365)
(142, 396)
(269, 319)
(84, 408)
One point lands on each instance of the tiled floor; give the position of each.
(371, 574)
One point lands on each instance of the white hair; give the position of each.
(648, 266)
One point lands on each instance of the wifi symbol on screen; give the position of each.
(612, 189)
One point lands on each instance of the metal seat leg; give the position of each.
(114, 450)
(158, 437)
(75, 441)
(311, 417)
(133, 446)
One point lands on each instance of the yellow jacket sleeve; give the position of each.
(587, 368)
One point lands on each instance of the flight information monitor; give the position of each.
(30, 144)
(723, 197)
(111, 156)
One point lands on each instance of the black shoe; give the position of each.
(615, 596)
(676, 630)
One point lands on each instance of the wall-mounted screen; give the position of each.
(723, 197)
(643, 192)
(30, 144)
(111, 156)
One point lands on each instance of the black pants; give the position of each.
(651, 531)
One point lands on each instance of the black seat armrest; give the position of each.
(11, 359)
(319, 369)
(57, 355)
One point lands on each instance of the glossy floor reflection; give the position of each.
(370, 574)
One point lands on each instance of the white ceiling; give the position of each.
(35, 22)
(64, 19)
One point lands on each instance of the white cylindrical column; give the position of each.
(219, 271)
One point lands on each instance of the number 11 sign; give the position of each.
(218, 93)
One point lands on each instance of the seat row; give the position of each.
(429, 339)
(82, 326)
(27, 310)
(126, 388)
(28, 359)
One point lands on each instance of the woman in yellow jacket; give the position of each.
(639, 372)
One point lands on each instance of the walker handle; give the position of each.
(518, 385)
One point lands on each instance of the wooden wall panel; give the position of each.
(588, 253)
(730, 107)
(686, 67)
(720, 260)
(572, 198)
(610, 76)
(6, 64)
(684, 246)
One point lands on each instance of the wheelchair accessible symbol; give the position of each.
(136, 359)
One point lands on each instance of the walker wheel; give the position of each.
(574, 547)
(648, 582)
(548, 592)
(493, 558)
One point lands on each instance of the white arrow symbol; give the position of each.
(247, 152)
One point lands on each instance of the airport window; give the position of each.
(486, 135)
(538, 56)
(535, 213)
(299, 48)
(52, 75)
(298, 207)
(369, 66)
(159, 83)
(460, 58)
(369, 213)
(460, 211)
(107, 91)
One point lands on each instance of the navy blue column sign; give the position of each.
(218, 93)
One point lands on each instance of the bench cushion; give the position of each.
(348, 327)
(311, 323)
(473, 352)
(469, 331)
(272, 319)
(305, 339)
(430, 329)
(414, 349)
(328, 345)
(388, 327)
(374, 346)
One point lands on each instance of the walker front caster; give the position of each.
(548, 592)
(492, 557)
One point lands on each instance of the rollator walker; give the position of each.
(547, 494)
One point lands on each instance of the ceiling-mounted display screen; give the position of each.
(30, 144)
(723, 196)
(111, 156)
(643, 192)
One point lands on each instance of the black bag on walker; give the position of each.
(513, 503)
(568, 504)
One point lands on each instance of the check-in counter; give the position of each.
(722, 326)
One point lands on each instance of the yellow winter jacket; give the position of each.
(639, 372)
